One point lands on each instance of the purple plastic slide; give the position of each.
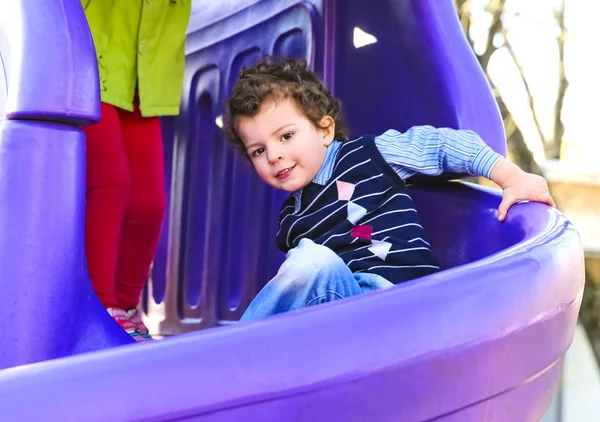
(482, 340)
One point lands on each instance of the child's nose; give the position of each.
(275, 156)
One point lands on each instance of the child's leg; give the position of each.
(311, 274)
(107, 196)
(143, 217)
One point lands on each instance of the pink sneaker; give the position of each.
(136, 320)
(121, 318)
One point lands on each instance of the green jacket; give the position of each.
(140, 42)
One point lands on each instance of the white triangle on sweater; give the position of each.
(380, 249)
(355, 212)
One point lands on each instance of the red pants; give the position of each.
(125, 203)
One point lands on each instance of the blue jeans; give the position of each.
(310, 275)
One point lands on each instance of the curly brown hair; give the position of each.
(270, 79)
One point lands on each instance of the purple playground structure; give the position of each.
(483, 340)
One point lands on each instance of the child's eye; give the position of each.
(287, 136)
(257, 152)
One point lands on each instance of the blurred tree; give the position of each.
(517, 147)
(497, 38)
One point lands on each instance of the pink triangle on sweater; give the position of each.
(345, 190)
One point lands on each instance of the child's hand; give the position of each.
(518, 186)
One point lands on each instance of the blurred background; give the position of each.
(540, 57)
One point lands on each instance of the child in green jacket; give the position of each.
(140, 50)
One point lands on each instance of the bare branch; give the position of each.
(496, 8)
(530, 101)
(520, 153)
(553, 150)
(517, 147)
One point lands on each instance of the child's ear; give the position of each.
(327, 130)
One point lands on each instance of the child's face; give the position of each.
(286, 149)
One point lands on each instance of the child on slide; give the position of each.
(349, 225)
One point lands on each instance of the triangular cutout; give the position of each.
(362, 38)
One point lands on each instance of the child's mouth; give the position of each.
(284, 173)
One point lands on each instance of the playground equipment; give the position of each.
(482, 340)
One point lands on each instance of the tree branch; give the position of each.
(530, 101)
(520, 153)
(496, 8)
(517, 147)
(553, 150)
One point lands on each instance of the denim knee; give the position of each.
(309, 259)
(310, 275)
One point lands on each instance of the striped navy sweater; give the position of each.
(364, 214)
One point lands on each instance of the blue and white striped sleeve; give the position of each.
(432, 151)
